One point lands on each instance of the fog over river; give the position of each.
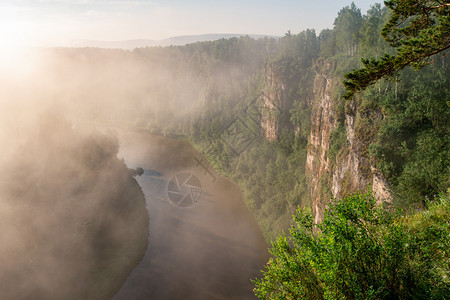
(209, 250)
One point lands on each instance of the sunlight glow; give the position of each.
(15, 40)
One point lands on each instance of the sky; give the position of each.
(30, 22)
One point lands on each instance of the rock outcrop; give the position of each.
(275, 103)
(323, 122)
(329, 176)
(349, 171)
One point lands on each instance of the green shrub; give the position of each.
(361, 251)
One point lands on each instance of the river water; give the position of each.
(209, 250)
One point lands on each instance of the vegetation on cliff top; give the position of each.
(362, 251)
(418, 30)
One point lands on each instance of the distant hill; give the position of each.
(132, 44)
(188, 39)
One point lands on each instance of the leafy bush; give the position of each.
(361, 251)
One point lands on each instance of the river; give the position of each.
(203, 241)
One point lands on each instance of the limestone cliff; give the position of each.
(351, 169)
(323, 122)
(275, 103)
(331, 173)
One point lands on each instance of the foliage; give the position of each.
(372, 43)
(347, 26)
(361, 251)
(417, 29)
(411, 146)
(338, 141)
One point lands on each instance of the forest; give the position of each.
(252, 105)
(342, 134)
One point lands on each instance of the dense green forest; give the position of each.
(249, 104)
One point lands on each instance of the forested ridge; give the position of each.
(271, 87)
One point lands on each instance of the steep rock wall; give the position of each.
(323, 122)
(275, 103)
(329, 176)
(349, 171)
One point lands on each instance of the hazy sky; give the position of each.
(29, 21)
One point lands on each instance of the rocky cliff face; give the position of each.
(275, 103)
(349, 171)
(269, 122)
(329, 176)
(323, 122)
